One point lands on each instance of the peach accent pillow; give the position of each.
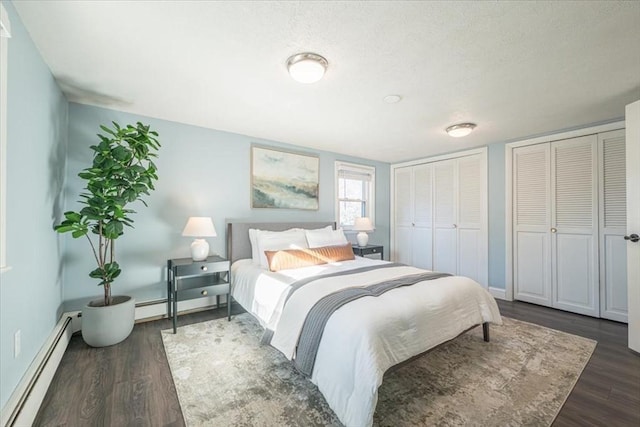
(297, 258)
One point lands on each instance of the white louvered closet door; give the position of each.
(532, 223)
(422, 217)
(613, 222)
(444, 222)
(403, 188)
(574, 227)
(472, 250)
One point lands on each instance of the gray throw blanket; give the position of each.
(319, 315)
(268, 333)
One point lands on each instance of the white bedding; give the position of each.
(371, 333)
(258, 290)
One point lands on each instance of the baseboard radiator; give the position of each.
(23, 405)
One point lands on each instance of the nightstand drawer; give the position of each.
(199, 292)
(368, 251)
(364, 251)
(198, 268)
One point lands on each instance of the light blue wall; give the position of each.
(202, 172)
(31, 292)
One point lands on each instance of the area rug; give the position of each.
(224, 377)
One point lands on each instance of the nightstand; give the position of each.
(214, 274)
(369, 250)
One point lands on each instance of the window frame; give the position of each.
(369, 201)
(5, 35)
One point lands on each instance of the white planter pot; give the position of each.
(103, 326)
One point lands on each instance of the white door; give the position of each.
(613, 225)
(403, 207)
(472, 252)
(632, 124)
(574, 225)
(444, 227)
(531, 224)
(422, 217)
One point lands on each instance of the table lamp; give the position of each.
(199, 227)
(363, 225)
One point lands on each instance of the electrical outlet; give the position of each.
(16, 344)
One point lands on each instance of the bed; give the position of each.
(398, 312)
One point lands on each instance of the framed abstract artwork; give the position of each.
(283, 179)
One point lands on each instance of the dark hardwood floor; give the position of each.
(130, 383)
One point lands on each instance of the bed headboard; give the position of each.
(238, 244)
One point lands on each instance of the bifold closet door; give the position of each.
(440, 216)
(422, 216)
(413, 216)
(532, 224)
(555, 215)
(445, 248)
(472, 245)
(459, 233)
(403, 244)
(613, 222)
(574, 227)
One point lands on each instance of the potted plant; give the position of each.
(121, 173)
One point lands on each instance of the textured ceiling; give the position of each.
(515, 68)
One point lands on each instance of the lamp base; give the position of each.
(199, 250)
(362, 238)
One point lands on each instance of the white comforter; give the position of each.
(365, 337)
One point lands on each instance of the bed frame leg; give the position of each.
(485, 331)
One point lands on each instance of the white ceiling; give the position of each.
(515, 68)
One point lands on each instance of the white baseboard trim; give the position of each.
(23, 405)
(498, 293)
(157, 309)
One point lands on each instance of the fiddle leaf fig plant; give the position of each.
(122, 172)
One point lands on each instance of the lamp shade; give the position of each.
(199, 226)
(363, 224)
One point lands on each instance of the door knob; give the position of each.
(553, 230)
(634, 238)
(455, 226)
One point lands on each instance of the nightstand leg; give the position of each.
(229, 307)
(169, 289)
(175, 311)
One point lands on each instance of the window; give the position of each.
(355, 190)
(5, 33)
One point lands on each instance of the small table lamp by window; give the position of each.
(363, 225)
(199, 227)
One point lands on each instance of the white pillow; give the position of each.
(277, 240)
(255, 253)
(325, 237)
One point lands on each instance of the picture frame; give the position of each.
(283, 179)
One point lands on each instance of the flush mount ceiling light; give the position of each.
(392, 99)
(461, 129)
(307, 67)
